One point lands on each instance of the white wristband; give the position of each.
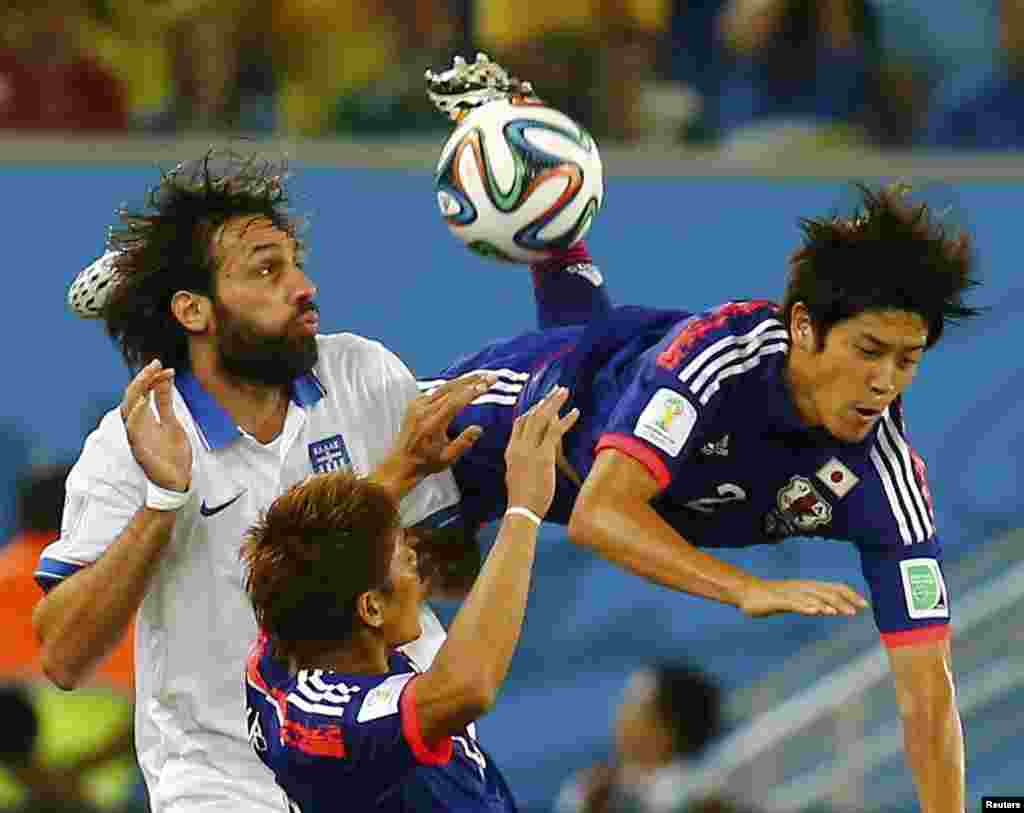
(524, 512)
(163, 499)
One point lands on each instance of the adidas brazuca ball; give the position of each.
(518, 180)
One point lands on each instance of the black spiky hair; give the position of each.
(891, 254)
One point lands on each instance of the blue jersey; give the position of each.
(701, 401)
(352, 742)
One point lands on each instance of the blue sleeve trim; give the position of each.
(442, 518)
(52, 572)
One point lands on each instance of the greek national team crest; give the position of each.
(329, 454)
(800, 509)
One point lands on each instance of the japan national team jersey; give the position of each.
(352, 742)
(195, 624)
(701, 401)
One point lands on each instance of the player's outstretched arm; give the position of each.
(932, 733)
(83, 618)
(614, 517)
(463, 682)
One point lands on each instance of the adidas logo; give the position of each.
(718, 447)
(588, 271)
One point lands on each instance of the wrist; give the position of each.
(159, 498)
(396, 475)
(524, 513)
(741, 591)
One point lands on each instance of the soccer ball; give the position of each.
(518, 180)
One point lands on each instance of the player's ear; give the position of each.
(370, 609)
(193, 311)
(801, 329)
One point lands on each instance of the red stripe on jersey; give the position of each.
(441, 752)
(639, 451)
(318, 741)
(321, 741)
(671, 357)
(921, 475)
(921, 635)
(252, 674)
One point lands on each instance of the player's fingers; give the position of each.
(852, 595)
(458, 398)
(832, 599)
(164, 401)
(545, 412)
(566, 422)
(138, 415)
(462, 385)
(462, 444)
(138, 387)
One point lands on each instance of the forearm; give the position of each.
(484, 634)
(81, 620)
(633, 536)
(933, 738)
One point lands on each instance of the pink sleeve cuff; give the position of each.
(933, 632)
(441, 752)
(640, 452)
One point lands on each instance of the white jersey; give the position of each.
(195, 623)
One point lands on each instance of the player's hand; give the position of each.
(423, 446)
(533, 449)
(158, 442)
(770, 597)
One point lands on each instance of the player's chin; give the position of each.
(850, 431)
(414, 631)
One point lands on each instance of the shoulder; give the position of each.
(720, 328)
(704, 351)
(901, 479)
(350, 355)
(318, 697)
(106, 453)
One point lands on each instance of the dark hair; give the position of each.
(890, 255)
(168, 247)
(317, 548)
(690, 701)
(21, 725)
(41, 498)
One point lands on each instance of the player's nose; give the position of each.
(883, 380)
(305, 290)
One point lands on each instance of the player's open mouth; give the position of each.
(867, 413)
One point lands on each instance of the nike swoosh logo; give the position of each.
(206, 511)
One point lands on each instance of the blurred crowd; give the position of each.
(723, 73)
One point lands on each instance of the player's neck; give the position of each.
(355, 657)
(799, 385)
(257, 408)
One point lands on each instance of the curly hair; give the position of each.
(890, 255)
(310, 556)
(168, 247)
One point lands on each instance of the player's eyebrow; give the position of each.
(907, 348)
(264, 247)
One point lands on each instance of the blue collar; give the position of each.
(217, 427)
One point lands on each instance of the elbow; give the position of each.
(58, 671)
(56, 666)
(585, 523)
(478, 696)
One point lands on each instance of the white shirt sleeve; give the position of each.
(104, 490)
